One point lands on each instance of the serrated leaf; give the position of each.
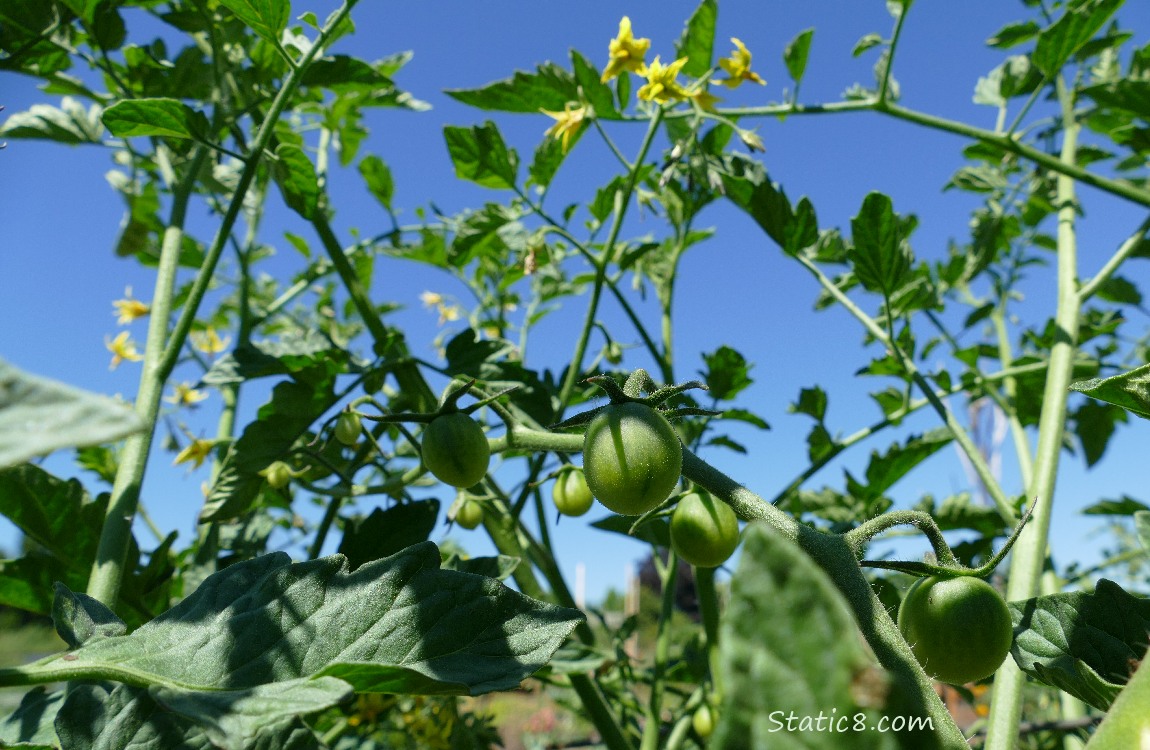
(865, 43)
(746, 184)
(1131, 95)
(295, 175)
(291, 410)
(789, 644)
(549, 87)
(1082, 643)
(1094, 424)
(1130, 390)
(480, 155)
(743, 415)
(545, 163)
(167, 118)
(697, 42)
(796, 53)
(812, 402)
(885, 469)
(958, 512)
(1081, 21)
(378, 178)
(39, 415)
(726, 374)
(268, 18)
(880, 255)
(268, 620)
(498, 567)
(383, 533)
(594, 91)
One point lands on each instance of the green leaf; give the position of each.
(1082, 643)
(656, 531)
(550, 87)
(796, 52)
(789, 645)
(1120, 290)
(295, 175)
(865, 43)
(70, 123)
(959, 512)
(268, 18)
(812, 402)
(747, 185)
(383, 533)
(1013, 34)
(1124, 506)
(291, 410)
(167, 118)
(1130, 390)
(743, 415)
(698, 39)
(596, 93)
(880, 255)
(885, 469)
(80, 619)
(1094, 424)
(1130, 95)
(267, 620)
(480, 155)
(726, 374)
(548, 156)
(498, 567)
(38, 416)
(378, 178)
(1081, 21)
(33, 722)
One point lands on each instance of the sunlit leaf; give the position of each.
(268, 18)
(698, 39)
(796, 53)
(480, 155)
(1130, 390)
(155, 117)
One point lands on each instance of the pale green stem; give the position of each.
(669, 577)
(108, 567)
(709, 612)
(1010, 387)
(1030, 550)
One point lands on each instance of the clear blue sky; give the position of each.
(58, 275)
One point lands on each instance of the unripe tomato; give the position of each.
(704, 531)
(348, 427)
(469, 514)
(455, 449)
(278, 474)
(703, 721)
(959, 628)
(570, 492)
(632, 458)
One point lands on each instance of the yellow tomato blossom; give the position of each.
(661, 85)
(626, 52)
(185, 395)
(738, 66)
(129, 309)
(705, 99)
(567, 123)
(447, 311)
(196, 452)
(122, 348)
(209, 342)
(751, 140)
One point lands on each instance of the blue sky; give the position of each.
(58, 275)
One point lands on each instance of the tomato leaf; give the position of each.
(383, 533)
(268, 18)
(1082, 643)
(480, 155)
(789, 645)
(698, 39)
(1080, 22)
(39, 415)
(33, 722)
(295, 175)
(550, 87)
(796, 53)
(1130, 390)
(378, 178)
(880, 256)
(726, 373)
(69, 123)
(155, 117)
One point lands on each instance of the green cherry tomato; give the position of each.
(704, 531)
(703, 721)
(455, 449)
(632, 458)
(959, 628)
(469, 514)
(570, 492)
(278, 474)
(348, 427)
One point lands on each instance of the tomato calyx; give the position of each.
(637, 383)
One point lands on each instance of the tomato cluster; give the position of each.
(704, 531)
